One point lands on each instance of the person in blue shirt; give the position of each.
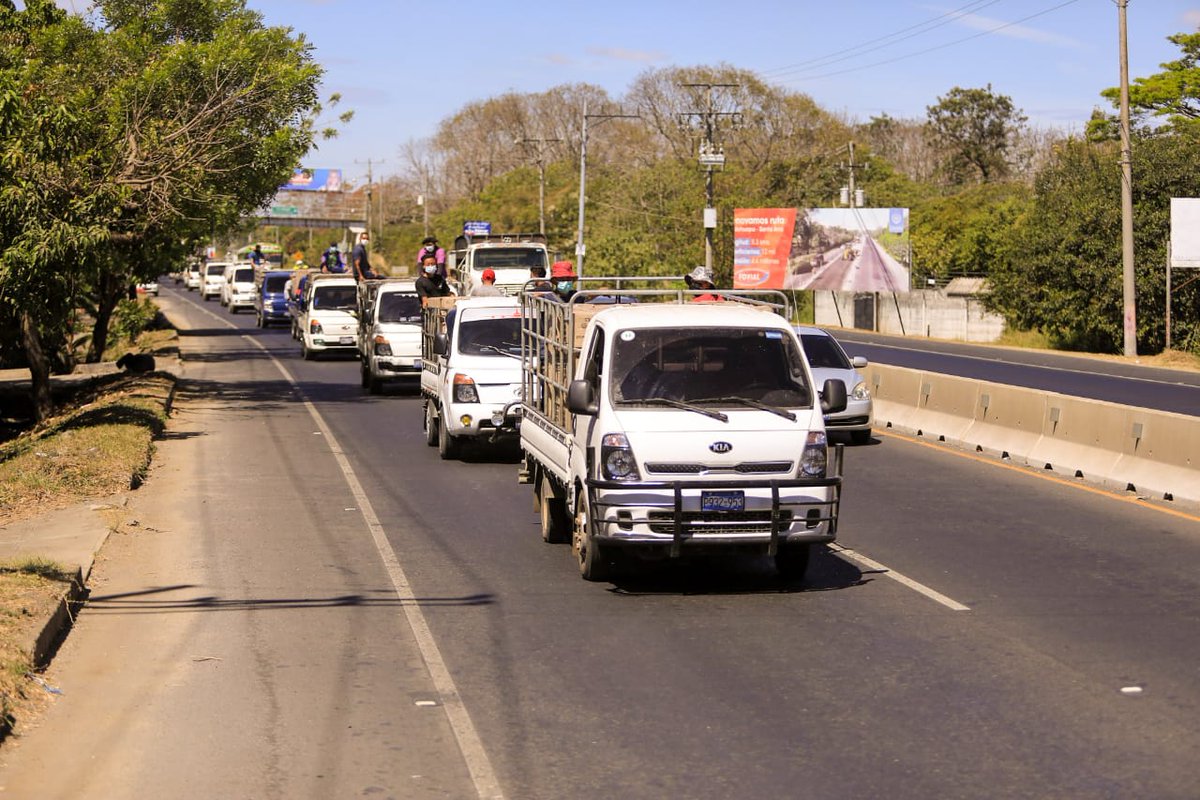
(331, 260)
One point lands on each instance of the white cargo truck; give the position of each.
(666, 427)
(471, 371)
(389, 333)
(327, 323)
(509, 255)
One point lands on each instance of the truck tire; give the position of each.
(448, 444)
(791, 562)
(592, 559)
(309, 355)
(556, 523)
(374, 385)
(365, 374)
(431, 425)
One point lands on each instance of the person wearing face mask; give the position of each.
(431, 284)
(360, 261)
(562, 279)
(430, 245)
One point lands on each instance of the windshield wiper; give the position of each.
(502, 352)
(746, 401)
(663, 401)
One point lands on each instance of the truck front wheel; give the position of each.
(593, 561)
(448, 444)
(431, 425)
(556, 523)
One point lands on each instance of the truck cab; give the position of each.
(509, 255)
(327, 323)
(389, 333)
(663, 429)
(471, 371)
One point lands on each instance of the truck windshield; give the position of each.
(492, 334)
(709, 366)
(214, 269)
(397, 307)
(328, 297)
(244, 275)
(274, 284)
(509, 258)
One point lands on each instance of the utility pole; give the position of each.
(580, 247)
(540, 160)
(1129, 286)
(853, 195)
(370, 190)
(712, 153)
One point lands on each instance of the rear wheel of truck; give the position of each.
(592, 559)
(431, 425)
(556, 522)
(792, 562)
(448, 444)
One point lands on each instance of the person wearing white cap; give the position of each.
(700, 279)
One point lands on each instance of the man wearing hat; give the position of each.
(701, 279)
(487, 285)
(430, 245)
(562, 278)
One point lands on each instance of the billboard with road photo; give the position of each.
(836, 249)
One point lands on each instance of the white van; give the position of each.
(327, 322)
(389, 332)
(213, 279)
(238, 290)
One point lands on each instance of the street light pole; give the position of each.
(1129, 285)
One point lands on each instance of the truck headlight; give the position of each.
(616, 458)
(464, 389)
(861, 392)
(315, 327)
(814, 458)
(382, 346)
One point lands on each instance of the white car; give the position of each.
(213, 279)
(828, 360)
(238, 291)
(150, 287)
(193, 276)
(328, 323)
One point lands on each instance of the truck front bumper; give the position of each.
(668, 515)
(487, 420)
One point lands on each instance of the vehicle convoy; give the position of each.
(213, 279)
(327, 323)
(509, 255)
(389, 332)
(270, 297)
(470, 371)
(238, 291)
(667, 427)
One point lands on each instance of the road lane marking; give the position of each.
(1032, 472)
(487, 786)
(899, 577)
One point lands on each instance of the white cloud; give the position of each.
(1024, 32)
(621, 54)
(559, 59)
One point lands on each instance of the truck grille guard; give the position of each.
(682, 523)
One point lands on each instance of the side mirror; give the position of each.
(581, 399)
(859, 362)
(440, 345)
(833, 396)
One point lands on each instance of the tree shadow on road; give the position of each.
(170, 600)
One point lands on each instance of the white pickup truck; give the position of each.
(389, 333)
(327, 323)
(509, 255)
(471, 371)
(665, 427)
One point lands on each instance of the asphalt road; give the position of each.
(1172, 390)
(1071, 670)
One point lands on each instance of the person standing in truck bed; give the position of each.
(431, 284)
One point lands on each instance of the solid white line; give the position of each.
(487, 786)
(920, 588)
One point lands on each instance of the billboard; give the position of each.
(314, 180)
(836, 249)
(1185, 232)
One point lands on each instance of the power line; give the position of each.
(843, 54)
(926, 51)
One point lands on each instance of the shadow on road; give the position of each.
(156, 601)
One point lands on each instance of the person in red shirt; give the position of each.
(701, 279)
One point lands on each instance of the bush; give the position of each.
(131, 317)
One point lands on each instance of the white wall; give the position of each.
(928, 312)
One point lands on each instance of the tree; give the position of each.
(975, 129)
(1173, 93)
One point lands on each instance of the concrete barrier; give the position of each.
(1155, 453)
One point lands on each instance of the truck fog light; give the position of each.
(497, 418)
(465, 419)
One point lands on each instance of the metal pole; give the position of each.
(1129, 286)
(541, 164)
(708, 232)
(579, 247)
(1168, 347)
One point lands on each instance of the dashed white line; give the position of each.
(916, 586)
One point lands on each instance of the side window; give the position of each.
(595, 363)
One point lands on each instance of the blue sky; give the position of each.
(403, 66)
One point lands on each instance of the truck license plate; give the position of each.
(346, 340)
(723, 501)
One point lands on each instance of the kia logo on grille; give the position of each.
(720, 447)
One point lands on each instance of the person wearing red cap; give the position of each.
(562, 278)
(487, 285)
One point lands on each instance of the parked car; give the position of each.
(270, 297)
(828, 360)
(213, 280)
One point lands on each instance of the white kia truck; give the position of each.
(663, 427)
(327, 322)
(471, 371)
(510, 256)
(389, 333)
